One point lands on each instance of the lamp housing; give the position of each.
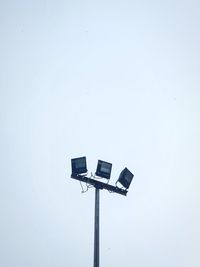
(79, 165)
(103, 169)
(125, 178)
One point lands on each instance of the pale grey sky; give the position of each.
(112, 80)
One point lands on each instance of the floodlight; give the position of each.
(79, 165)
(103, 169)
(125, 178)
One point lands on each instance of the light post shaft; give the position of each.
(96, 229)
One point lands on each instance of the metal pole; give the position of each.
(96, 229)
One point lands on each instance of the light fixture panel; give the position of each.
(79, 165)
(125, 178)
(103, 169)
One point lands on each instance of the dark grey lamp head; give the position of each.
(125, 178)
(79, 166)
(103, 169)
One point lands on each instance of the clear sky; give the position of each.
(112, 80)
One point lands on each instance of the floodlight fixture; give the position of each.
(125, 178)
(103, 169)
(79, 165)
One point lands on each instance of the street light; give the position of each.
(79, 170)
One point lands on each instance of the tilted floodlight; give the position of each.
(125, 178)
(79, 165)
(103, 169)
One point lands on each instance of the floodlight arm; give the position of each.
(99, 185)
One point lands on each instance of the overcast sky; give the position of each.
(112, 80)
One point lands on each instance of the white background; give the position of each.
(112, 80)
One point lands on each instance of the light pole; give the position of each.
(79, 171)
(96, 228)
